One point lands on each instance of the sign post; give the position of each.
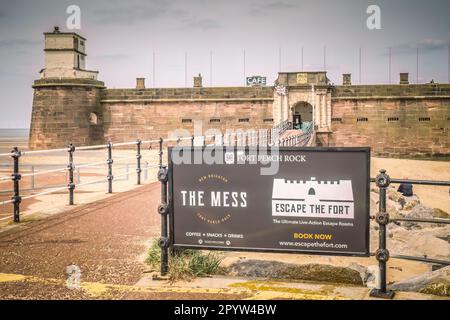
(316, 202)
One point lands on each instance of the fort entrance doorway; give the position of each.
(302, 114)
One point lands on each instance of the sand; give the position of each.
(430, 196)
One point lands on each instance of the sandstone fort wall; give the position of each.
(395, 120)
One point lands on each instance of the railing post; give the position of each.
(71, 167)
(110, 164)
(138, 161)
(382, 254)
(146, 171)
(163, 210)
(78, 175)
(32, 178)
(16, 176)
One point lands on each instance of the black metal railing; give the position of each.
(301, 139)
(72, 150)
(265, 137)
(383, 181)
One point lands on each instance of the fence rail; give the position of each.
(70, 168)
(301, 139)
(383, 181)
(267, 137)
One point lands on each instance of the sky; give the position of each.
(124, 36)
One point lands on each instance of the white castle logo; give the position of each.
(319, 199)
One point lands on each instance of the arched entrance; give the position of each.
(302, 114)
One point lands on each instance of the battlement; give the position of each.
(202, 93)
(324, 190)
(313, 180)
(393, 91)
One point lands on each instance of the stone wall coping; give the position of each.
(49, 82)
(187, 100)
(389, 97)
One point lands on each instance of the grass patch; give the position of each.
(185, 264)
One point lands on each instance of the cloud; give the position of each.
(278, 5)
(114, 56)
(14, 43)
(131, 14)
(261, 8)
(202, 24)
(425, 45)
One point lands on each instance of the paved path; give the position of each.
(107, 240)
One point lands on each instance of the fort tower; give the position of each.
(66, 102)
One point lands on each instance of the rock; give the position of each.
(421, 212)
(310, 272)
(373, 277)
(437, 289)
(441, 214)
(410, 204)
(394, 195)
(392, 207)
(373, 203)
(441, 233)
(436, 282)
(361, 269)
(393, 210)
(419, 243)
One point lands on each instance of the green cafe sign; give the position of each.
(256, 81)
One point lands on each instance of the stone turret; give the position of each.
(198, 81)
(66, 97)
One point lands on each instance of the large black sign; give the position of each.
(311, 200)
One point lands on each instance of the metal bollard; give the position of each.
(138, 161)
(382, 254)
(163, 210)
(110, 164)
(16, 176)
(70, 168)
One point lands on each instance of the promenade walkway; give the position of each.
(108, 241)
